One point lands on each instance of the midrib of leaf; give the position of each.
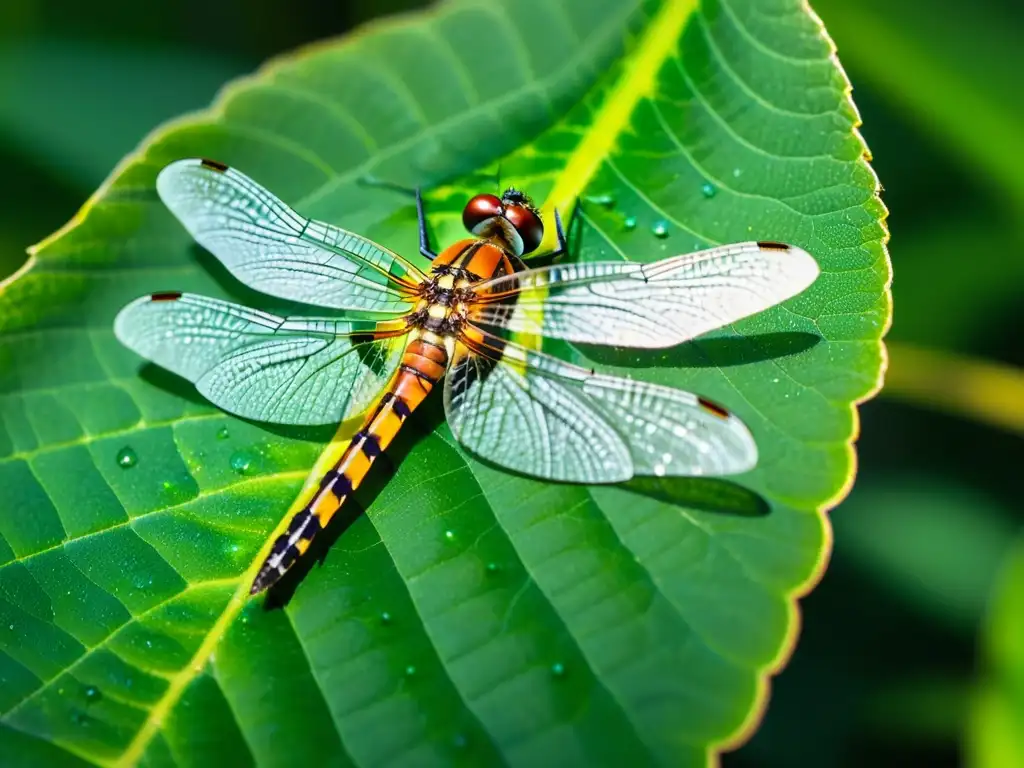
(636, 82)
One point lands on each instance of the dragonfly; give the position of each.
(476, 317)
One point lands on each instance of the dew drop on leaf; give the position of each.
(92, 693)
(126, 458)
(410, 671)
(736, 173)
(222, 433)
(708, 189)
(450, 535)
(660, 229)
(385, 618)
(630, 223)
(493, 568)
(605, 201)
(241, 462)
(558, 669)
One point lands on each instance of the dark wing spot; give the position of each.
(713, 407)
(169, 296)
(771, 245)
(213, 165)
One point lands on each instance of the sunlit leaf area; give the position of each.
(854, 599)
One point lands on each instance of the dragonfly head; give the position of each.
(511, 218)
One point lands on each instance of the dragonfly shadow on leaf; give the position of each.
(281, 592)
(178, 386)
(425, 420)
(721, 352)
(161, 378)
(708, 494)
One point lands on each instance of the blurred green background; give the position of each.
(901, 661)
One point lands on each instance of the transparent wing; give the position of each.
(263, 367)
(645, 305)
(273, 249)
(538, 415)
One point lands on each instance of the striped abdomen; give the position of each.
(423, 364)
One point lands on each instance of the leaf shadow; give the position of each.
(722, 352)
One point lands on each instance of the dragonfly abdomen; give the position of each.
(423, 364)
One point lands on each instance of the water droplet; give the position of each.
(126, 458)
(149, 643)
(493, 567)
(92, 693)
(410, 671)
(736, 173)
(385, 618)
(708, 189)
(605, 201)
(241, 462)
(450, 535)
(558, 669)
(234, 548)
(223, 434)
(660, 229)
(79, 719)
(10, 627)
(630, 223)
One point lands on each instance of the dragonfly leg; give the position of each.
(563, 245)
(421, 217)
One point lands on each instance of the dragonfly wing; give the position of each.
(538, 415)
(273, 249)
(260, 366)
(646, 305)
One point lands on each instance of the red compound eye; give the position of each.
(479, 209)
(527, 224)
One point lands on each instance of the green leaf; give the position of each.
(995, 732)
(468, 615)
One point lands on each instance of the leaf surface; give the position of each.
(469, 614)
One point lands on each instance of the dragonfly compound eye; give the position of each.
(528, 224)
(480, 209)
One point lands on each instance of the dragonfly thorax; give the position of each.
(443, 303)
